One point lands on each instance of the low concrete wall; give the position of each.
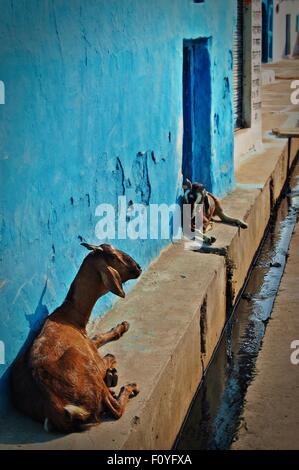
(260, 182)
(177, 312)
(244, 245)
(294, 150)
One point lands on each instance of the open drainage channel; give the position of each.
(215, 413)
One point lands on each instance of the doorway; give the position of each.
(197, 101)
(288, 35)
(264, 34)
(267, 31)
(239, 67)
(270, 29)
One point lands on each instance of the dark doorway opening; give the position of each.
(197, 97)
(270, 31)
(264, 34)
(239, 67)
(288, 35)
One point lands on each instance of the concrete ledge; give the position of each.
(259, 185)
(254, 206)
(161, 351)
(294, 150)
(177, 312)
(246, 140)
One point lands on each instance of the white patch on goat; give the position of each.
(77, 412)
(46, 425)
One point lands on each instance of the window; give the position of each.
(288, 35)
(238, 67)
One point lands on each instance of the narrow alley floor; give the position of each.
(271, 412)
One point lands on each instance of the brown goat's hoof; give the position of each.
(114, 378)
(209, 240)
(133, 390)
(111, 378)
(111, 356)
(125, 325)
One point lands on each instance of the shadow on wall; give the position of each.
(18, 428)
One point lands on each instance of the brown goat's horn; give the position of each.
(187, 184)
(92, 247)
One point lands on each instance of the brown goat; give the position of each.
(195, 194)
(61, 380)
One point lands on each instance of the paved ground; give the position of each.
(271, 414)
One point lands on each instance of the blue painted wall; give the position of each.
(89, 84)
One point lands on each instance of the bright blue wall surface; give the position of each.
(89, 84)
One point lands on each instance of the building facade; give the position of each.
(247, 78)
(109, 99)
(280, 29)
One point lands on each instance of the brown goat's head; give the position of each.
(194, 193)
(114, 266)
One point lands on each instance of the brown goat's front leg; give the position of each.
(116, 405)
(207, 224)
(112, 335)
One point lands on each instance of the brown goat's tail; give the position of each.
(230, 220)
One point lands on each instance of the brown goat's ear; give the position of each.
(187, 184)
(112, 281)
(92, 247)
